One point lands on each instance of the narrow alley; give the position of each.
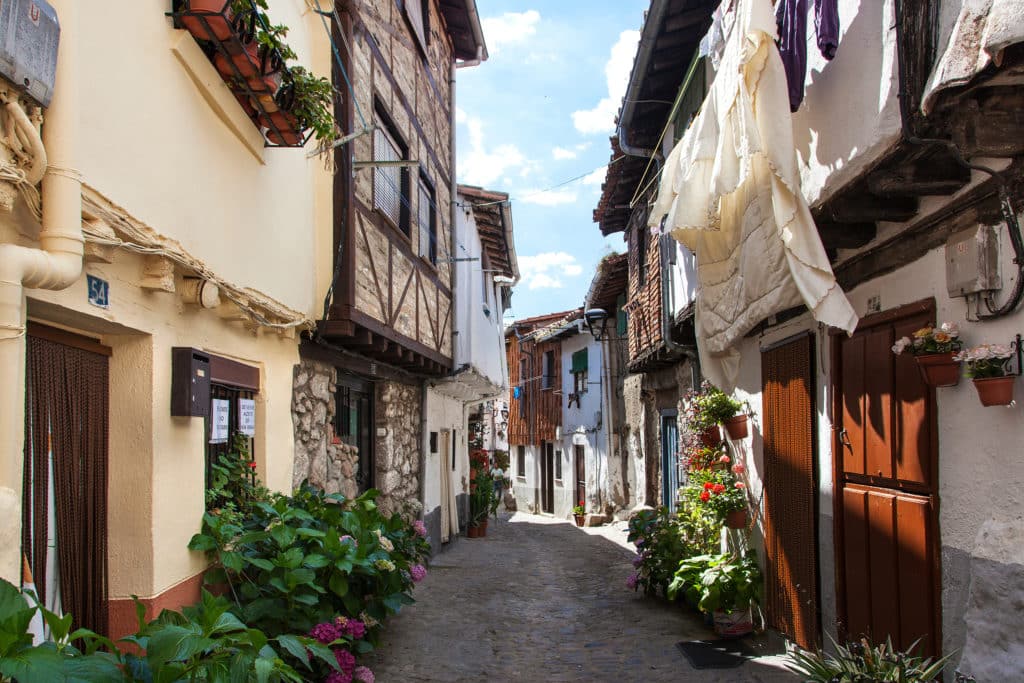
(538, 599)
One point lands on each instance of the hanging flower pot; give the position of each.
(736, 427)
(215, 22)
(995, 391)
(939, 369)
(736, 519)
(712, 436)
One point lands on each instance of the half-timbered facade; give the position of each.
(388, 310)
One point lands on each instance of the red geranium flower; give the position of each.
(719, 488)
(705, 496)
(708, 486)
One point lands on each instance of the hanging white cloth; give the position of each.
(731, 190)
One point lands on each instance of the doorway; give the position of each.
(64, 515)
(885, 454)
(669, 459)
(791, 490)
(354, 424)
(581, 476)
(547, 477)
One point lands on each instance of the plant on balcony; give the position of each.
(988, 367)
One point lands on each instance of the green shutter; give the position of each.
(579, 361)
(620, 315)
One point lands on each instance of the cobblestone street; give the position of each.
(541, 600)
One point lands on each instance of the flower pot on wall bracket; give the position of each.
(736, 519)
(939, 369)
(995, 391)
(208, 19)
(736, 426)
(712, 436)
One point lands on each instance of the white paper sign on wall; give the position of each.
(219, 420)
(247, 416)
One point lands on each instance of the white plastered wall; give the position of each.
(584, 424)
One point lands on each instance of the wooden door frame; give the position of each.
(926, 306)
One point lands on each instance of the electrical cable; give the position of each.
(545, 190)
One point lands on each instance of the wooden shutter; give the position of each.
(790, 491)
(387, 186)
(414, 13)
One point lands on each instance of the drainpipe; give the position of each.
(55, 265)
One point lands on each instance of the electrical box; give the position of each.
(972, 261)
(29, 35)
(190, 382)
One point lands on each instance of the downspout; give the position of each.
(55, 265)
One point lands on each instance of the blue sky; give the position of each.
(538, 113)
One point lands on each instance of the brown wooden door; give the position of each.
(792, 605)
(581, 476)
(547, 477)
(886, 503)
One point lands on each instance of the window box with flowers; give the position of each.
(934, 349)
(988, 367)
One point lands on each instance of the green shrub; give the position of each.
(727, 582)
(662, 540)
(862, 662)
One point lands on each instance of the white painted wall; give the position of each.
(479, 339)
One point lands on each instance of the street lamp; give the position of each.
(596, 319)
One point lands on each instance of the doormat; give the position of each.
(722, 653)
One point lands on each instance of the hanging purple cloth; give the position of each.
(791, 17)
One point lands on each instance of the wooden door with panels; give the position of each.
(885, 455)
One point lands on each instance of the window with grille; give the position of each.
(427, 218)
(390, 182)
(353, 424)
(558, 465)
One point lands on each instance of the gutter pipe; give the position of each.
(55, 265)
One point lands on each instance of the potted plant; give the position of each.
(862, 661)
(482, 503)
(719, 491)
(711, 407)
(217, 15)
(579, 512)
(306, 104)
(724, 585)
(934, 350)
(987, 366)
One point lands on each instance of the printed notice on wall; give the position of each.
(219, 421)
(247, 416)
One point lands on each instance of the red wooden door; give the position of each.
(581, 476)
(887, 539)
(791, 491)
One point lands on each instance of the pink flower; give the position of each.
(363, 674)
(725, 459)
(739, 485)
(421, 531)
(346, 660)
(738, 468)
(418, 572)
(327, 632)
(338, 677)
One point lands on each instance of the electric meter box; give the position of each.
(972, 261)
(29, 35)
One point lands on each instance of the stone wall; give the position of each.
(397, 416)
(319, 456)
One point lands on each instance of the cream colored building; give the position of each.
(197, 236)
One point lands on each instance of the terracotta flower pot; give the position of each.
(736, 427)
(472, 531)
(737, 519)
(217, 14)
(580, 519)
(712, 436)
(246, 62)
(995, 391)
(939, 369)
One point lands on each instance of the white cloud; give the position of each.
(596, 177)
(483, 166)
(561, 153)
(510, 28)
(545, 270)
(460, 115)
(548, 197)
(601, 119)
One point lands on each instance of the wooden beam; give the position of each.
(846, 235)
(924, 177)
(991, 124)
(866, 208)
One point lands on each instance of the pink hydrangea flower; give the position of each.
(354, 628)
(363, 674)
(326, 632)
(421, 531)
(418, 572)
(338, 677)
(346, 660)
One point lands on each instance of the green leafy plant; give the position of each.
(313, 103)
(715, 407)
(662, 540)
(580, 509)
(862, 662)
(233, 484)
(291, 562)
(727, 582)
(717, 490)
(483, 502)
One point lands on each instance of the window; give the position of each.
(418, 14)
(641, 254)
(522, 388)
(353, 423)
(390, 181)
(521, 461)
(579, 372)
(427, 219)
(558, 465)
(548, 378)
